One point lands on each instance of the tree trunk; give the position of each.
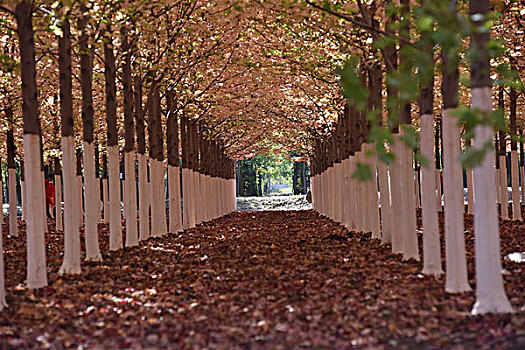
(516, 205)
(130, 189)
(3, 302)
(175, 218)
(431, 244)
(11, 170)
(144, 225)
(58, 196)
(490, 293)
(504, 193)
(115, 224)
(456, 264)
(92, 205)
(36, 256)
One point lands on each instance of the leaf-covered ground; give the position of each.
(263, 280)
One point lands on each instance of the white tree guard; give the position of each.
(58, 203)
(386, 210)
(411, 248)
(36, 253)
(174, 199)
(456, 263)
(431, 244)
(490, 292)
(144, 227)
(470, 193)
(3, 302)
(504, 188)
(13, 206)
(71, 263)
(92, 204)
(24, 211)
(130, 204)
(516, 204)
(115, 223)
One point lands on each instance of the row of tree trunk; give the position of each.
(339, 196)
(208, 186)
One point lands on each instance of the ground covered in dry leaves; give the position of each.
(255, 280)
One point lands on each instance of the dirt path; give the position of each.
(253, 280)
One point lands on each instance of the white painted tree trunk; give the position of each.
(36, 253)
(105, 194)
(3, 302)
(396, 188)
(71, 263)
(386, 210)
(439, 194)
(185, 198)
(13, 206)
(498, 187)
(323, 193)
(470, 193)
(92, 204)
(504, 188)
(80, 217)
(130, 204)
(431, 245)
(202, 198)
(158, 205)
(234, 195)
(123, 187)
(44, 217)
(490, 293)
(174, 199)
(411, 249)
(98, 182)
(522, 171)
(58, 203)
(338, 207)
(331, 195)
(516, 205)
(192, 198)
(374, 203)
(144, 230)
(456, 263)
(352, 220)
(24, 211)
(115, 223)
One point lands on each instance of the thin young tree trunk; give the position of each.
(98, 183)
(115, 223)
(79, 188)
(410, 244)
(58, 196)
(11, 170)
(490, 292)
(130, 189)
(504, 192)
(431, 244)
(158, 204)
(144, 228)
(23, 189)
(3, 302)
(92, 203)
(456, 263)
(71, 262)
(36, 256)
(439, 155)
(175, 217)
(516, 205)
(522, 172)
(105, 187)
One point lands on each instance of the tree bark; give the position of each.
(115, 224)
(36, 258)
